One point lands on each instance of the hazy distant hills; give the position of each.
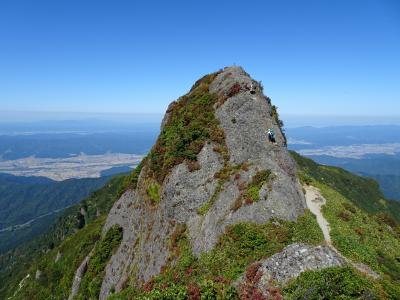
(313, 137)
(372, 151)
(29, 204)
(59, 145)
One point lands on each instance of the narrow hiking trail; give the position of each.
(315, 201)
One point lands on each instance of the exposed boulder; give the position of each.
(284, 266)
(38, 274)
(78, 277)
(58, 256)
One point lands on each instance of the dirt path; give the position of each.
(315, 201)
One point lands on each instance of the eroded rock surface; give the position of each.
(295, 259)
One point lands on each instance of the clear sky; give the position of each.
(313, 57)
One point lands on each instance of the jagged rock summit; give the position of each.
(212, 166)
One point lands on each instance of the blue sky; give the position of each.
(313, 57)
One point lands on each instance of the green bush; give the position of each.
(153, 191)
(331, 283)
(252, 191)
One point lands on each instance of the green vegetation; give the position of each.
(56, 278)
(64, 237)
(364, 226)
(153, 191)
(363, 192)
(332, 283)
(190, 123)
(25, 198)
(252, 192)
(362, 237)
(102, 252)
(214, 272)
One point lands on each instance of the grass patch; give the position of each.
(360, 236)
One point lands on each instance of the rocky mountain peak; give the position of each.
(212, 166)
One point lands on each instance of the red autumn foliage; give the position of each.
(242, 186)
(249, 201)
(250, 292)
(221, 279)
(193, 291)
(359, 231)
(189, 271)
(148, 286)
(275, 293)
(251, 271)
(234, 90)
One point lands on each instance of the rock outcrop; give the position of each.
(288, 264)
(196, 196)
(297, 258)
(78, 277)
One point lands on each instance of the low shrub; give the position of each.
(331, 283)
(153, 192)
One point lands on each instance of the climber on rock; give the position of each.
(271, 135)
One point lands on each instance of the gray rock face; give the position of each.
(58, 256)
(38, 274)
(245, 117)
(78, 277)
(295, 259)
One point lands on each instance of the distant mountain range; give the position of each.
(61, 145)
